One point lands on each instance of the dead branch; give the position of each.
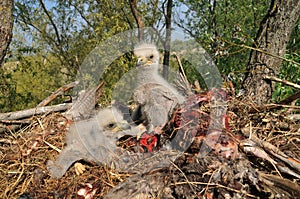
(58, 92)
(15, 121)
(271, 106)
(291, 98)
(182, 74)
(274, 106)
(281, 81)
(85, 103)
(34, 111)
(284, 184)
(272, 149)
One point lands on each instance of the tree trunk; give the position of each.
(6, 25)
(168, 39)
(270, 43)
(138, 19)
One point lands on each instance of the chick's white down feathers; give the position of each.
(156, 96)
(147, 54)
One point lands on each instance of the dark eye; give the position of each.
(111, 125)
(151, 56)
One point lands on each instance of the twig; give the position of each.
(267, 53)
(213, 184)
(261, 51)
(15, 121)
(41, 124)
(16, 182)
(272, 106)
(290, 98)
(282, 183)
(273, 150)
(58, 92)
(281, 81)
(52, 146)
(187, 180)
(34, 111)
(209, 181)
(182, 74)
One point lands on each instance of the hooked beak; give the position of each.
(142, 62)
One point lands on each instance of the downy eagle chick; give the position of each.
(155, 95)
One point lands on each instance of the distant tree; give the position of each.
(138, 19)
(223, 28)
(245, 42)
(269, 48)
(52, 39)
(69, 30)
(167, 43)
(6, 26)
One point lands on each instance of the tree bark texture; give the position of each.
(270, 43)
(6, 25)
(168, 39)
(138, 19)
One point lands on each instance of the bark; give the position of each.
(6, 25)
(34, 111)
(138, 19)
(168, 39)
(57, 93)
(291, 98)
(13, 121)
(270, 44)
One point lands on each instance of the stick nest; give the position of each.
(24, 155)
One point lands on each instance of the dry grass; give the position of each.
(24, 155)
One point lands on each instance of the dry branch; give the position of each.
(58, 92)
(15, 121)
(281, 81)
(85, 103)
(291, 98)
(269, 107)
(273, 150)
(182, 74)
(34, 111)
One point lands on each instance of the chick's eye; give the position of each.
(151, 56)
(111, 125)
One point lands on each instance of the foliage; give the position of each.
(290, 71)
(294, 43)
(7, 91)
(222, 27)
(35, 78)
(64, 32)
(113, 73)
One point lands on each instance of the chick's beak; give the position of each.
(143, 62)
(140, 62)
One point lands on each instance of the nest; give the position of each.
(252, 171)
